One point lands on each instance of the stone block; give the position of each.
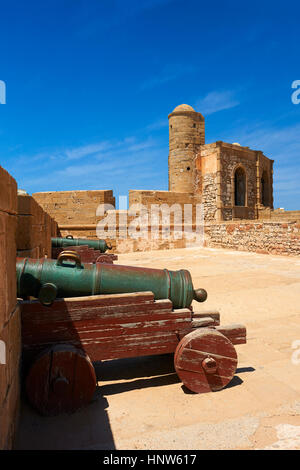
(8, 192)
(25, 232)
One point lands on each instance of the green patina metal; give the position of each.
(70, 241)
(68, 277)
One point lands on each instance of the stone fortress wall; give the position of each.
(35, 227)
(10, 325)
(276, 232)
(263, 236)
(74, 207)
(232, 182)
(25, 230)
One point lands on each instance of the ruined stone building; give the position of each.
(234, 182)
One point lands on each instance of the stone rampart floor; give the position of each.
(141, 404)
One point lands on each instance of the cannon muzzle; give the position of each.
(47, 279)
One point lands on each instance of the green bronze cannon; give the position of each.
(47, 279)
(100, 245)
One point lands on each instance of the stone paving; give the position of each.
(140, 404)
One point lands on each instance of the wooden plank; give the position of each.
(120, 347)
(107, 321)
(207, 313)
(105, 315)
(95, 330)
(87, 301)
(105, 327)
(203, 322)
(236, 333)
(58, 307)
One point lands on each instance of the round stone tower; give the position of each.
(186, 134)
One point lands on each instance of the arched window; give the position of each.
(265, 200)
(240, 187)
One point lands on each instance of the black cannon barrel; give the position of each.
(67, 277)
(100, 245)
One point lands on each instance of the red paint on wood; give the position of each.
(73, 303)
(235, 333)
(129, 325)
(106, 327)
(193, 349)
(62, 379)
(87, 254)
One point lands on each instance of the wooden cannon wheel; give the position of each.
(62, 379)
(205, 360)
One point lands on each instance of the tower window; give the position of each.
(240, 187)
(194, 125)
(188, 168)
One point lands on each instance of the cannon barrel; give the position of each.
(70, 241)
(47, 279)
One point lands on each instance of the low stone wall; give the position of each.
(266, 213)
(10, 325)
(34, 229)
(161, 197)
(147, 237)
(120, 220)
(178, 202)
(74, 207)
(275, 237)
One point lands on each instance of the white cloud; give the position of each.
(86, 150)
(216, 101)
(130, 162)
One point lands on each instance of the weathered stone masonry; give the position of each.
(25, 229)
(34, 230)
(10, 326)
(278, 238)
(73, 207)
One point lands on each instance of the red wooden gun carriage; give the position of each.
(61, 342)
(90, 251)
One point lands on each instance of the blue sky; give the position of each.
(89, 85)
